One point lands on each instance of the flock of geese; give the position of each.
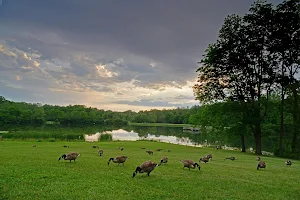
(149, 166)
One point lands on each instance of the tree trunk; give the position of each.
(295, 118)
(281, 123)
(257, 136)
(243, 143)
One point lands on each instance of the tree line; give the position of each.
(22, 113)
(254, 60)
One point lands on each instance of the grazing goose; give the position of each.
(158, 149)
(147, 166)
(143, 148)
(163, 160)
(204, 159)
(258, 158)
(190, 164)
(70, 156)
(169, 150)
(100, 152)
(95, 147)
(118, 159)
(209, 156)
(288, 162)
(34, 145)
(120, 148)
(149, 152)
(231, 158)
(261, 164)
(65, 146)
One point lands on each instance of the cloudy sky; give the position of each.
(110, 54)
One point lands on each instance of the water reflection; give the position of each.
(176, 135)
(124, 135)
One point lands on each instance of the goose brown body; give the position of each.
(95, 147)
(204, 159)
(231, 158)
(149, 152)
(100, 152)
(118, 159)
(190, 164)
(70, 156)
(258, 158)
(163, 160)
(158, 149)
(261, 164)
(147, 166)
(209, 156)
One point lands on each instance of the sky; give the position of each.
(111, 54)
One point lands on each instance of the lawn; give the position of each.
(28, 172)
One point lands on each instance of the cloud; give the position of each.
(113, 55)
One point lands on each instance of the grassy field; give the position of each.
(158, 124)
(35, 173)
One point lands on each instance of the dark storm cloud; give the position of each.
(172, 32)
(155, 43)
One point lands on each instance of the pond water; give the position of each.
(124, 135)
(176, 135)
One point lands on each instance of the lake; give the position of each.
(174, 135)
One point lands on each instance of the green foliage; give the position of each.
(105, 137)
(15, 114)
(254, 55)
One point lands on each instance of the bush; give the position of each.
(51, 140)
(105, 137)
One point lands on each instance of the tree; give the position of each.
(238, 68)
(285, 48)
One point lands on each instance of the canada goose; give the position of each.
(149, 152)
(120, 148)
(100, 152)
(118, 159)
(204, 159)
(261, 164)
(258, 158)
(158, 149)
(288, 162)
(209, 156)
(169, 150)
(143, 148)
(147, 166)
(163, 160)
(95, 147)
(70, 156)
(190, 164)
(65, 146)
(231, 158)
(34, 145)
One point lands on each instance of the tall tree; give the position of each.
(285, 48)
(238, 67)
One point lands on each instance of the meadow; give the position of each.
(28, 172)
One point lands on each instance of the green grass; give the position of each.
(36, 173)
(158, 124)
